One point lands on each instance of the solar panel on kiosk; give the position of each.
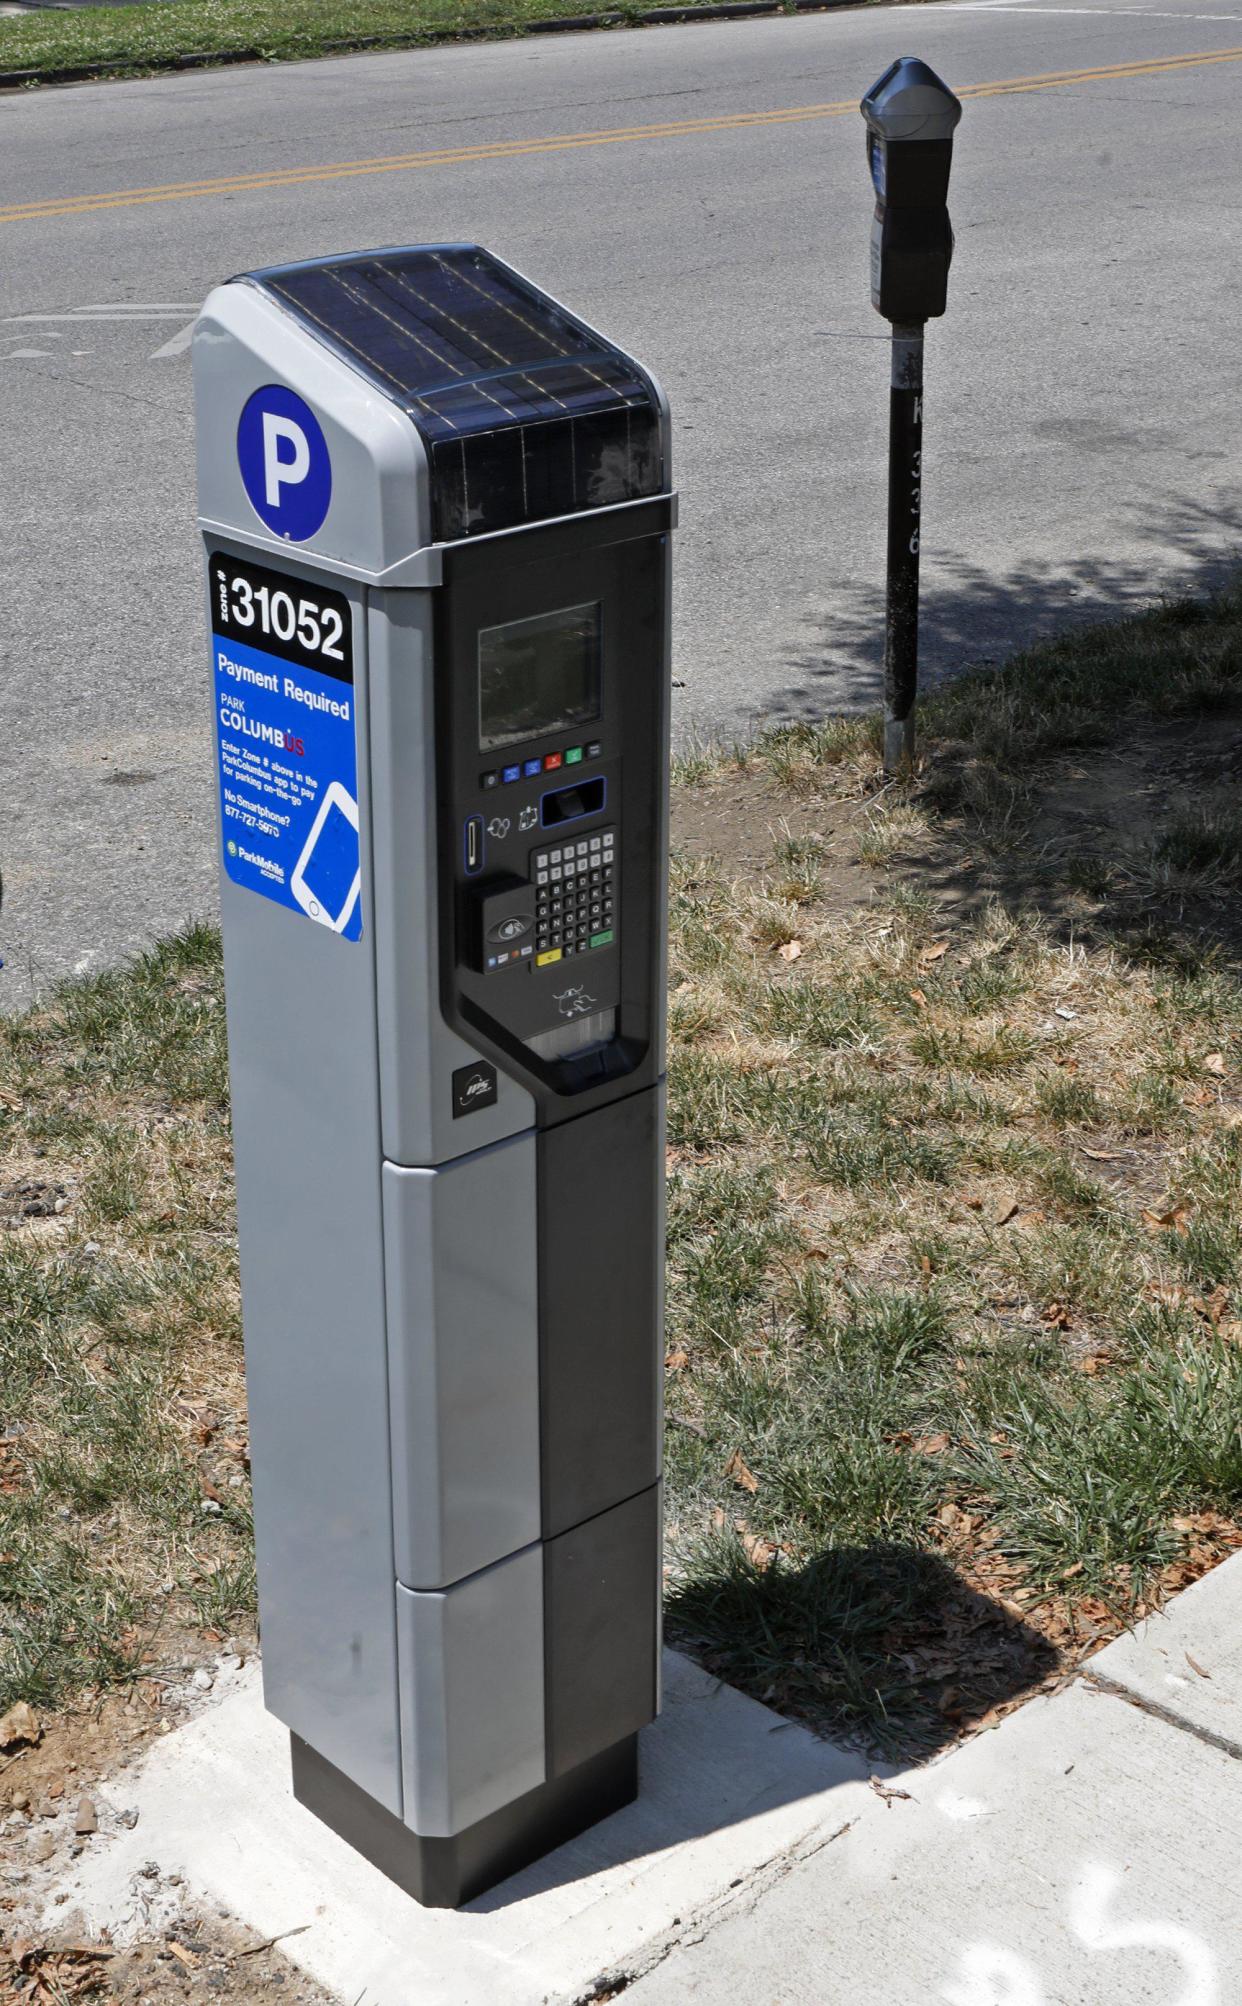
(525, 413)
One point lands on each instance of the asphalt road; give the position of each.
(1083, 421)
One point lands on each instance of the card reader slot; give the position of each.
(569, 804)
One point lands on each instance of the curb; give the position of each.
(654, 17)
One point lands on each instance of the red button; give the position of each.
(552, 761)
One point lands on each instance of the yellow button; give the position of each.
(542, 960)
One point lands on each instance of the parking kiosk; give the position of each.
(436, 511)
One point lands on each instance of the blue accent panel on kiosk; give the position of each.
(288, 773)
(526, 413)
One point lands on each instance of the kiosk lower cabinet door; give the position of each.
(602, 1621)
(463, 1361)
(472, 1695)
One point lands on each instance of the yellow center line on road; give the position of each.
(564, 142)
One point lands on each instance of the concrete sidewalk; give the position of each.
(1085, 1853)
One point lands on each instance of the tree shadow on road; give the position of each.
(973, 616)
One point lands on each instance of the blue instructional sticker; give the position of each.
(282, 663)
(284, 462)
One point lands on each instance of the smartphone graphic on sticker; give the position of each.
(327, 878)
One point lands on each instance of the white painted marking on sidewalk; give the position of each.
(954, 1805)
(1095, 1894)
(994, 1976)
(990, 1974)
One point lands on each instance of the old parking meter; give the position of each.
(436, 511)
(911, 116)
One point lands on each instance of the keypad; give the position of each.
(575, 896)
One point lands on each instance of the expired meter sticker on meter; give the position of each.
(282, 661)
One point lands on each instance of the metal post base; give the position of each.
(898, 744)
(444, 1873)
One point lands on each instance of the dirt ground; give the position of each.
(49, 1815)
(1107, 804)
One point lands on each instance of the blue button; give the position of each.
(532, 767)
(512, 773)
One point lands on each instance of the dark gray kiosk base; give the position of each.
(444, 1873)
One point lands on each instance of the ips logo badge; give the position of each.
(283, 457)
(473, 1087)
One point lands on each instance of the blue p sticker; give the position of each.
(284, 462)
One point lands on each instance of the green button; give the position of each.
(602, 939)
(573, 755)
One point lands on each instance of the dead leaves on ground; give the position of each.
(20, 1727)
(760, 1551)
(1174, 1220)
(920, 1445)
(50, 1975)
(741, 1473)
(1212, 1307)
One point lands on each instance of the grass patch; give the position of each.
(941, 1345)
(141, 39)
(990, 1380)
(954, 1340)
(124, 1485)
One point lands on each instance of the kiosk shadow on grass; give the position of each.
(887, 1637)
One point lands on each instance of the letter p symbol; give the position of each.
(284, 463)
(288, 470)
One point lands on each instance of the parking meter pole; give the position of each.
(911, 116)
(905, 476)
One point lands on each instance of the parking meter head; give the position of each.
(911, 116)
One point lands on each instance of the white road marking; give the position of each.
(81, 318)
(26, 354)
(178, 344)
(122, 313)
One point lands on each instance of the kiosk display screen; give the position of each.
(539, 676)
